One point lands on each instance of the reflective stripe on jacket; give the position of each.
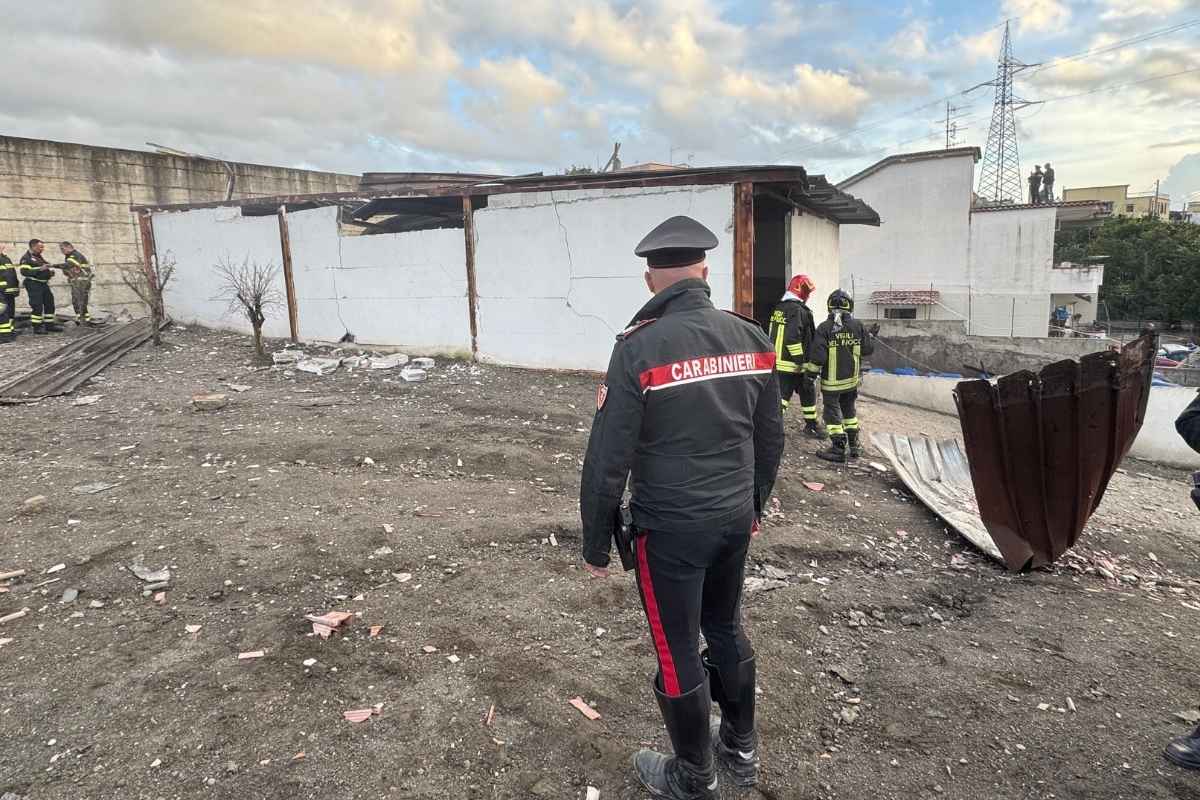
(791, 331)
(839, 353)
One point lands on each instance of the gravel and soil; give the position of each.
(894, 661)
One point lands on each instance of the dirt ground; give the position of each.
(894, 661)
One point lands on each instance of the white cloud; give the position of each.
(981, 46)
(1124, 9)
(1039, 16)
(911, 42)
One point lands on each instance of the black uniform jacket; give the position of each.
(792, 333)
(34, 268)
(839, 353)
(691, 406)
(77, 266)
(1188, 424)
(8, 276)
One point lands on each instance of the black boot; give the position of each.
(853, 444)
(39, 329)
(53, 327)
(811, 428)
(1185, 750)
(837, 449)
(735, 741)
(690, 773)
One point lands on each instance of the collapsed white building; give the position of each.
(531, 271)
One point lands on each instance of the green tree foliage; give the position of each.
(1152, 269)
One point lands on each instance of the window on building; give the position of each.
(900, 312)
(1129, 208)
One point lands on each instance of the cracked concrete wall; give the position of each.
(57, 190)
(556, 273)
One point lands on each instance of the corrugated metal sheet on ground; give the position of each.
(65, 369)
(937, 473)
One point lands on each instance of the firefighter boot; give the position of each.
(853, 444)
(39, 328)
(53, 327)
(1185, 750)
(812, 429)
(837, 449)
(690, 774)
(735, 742)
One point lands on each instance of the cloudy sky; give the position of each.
(365, 85)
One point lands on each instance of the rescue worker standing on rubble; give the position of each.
(838, 347)
(9, 287)
(79, 275)
(36, 274)
(792, 331)
(690, 405)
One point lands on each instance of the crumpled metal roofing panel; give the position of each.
(1042, 447)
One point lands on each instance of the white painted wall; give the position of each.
(1157, 441)
(197, 240)
(923, 237)
(1011, 256)
(816, 252)
(406, 290)
(556, 274)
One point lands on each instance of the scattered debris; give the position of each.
(453, 659)
(160, 598)
(375, 630)
(150, 575)
(1191, 716)
(238, 387)
(423, 362)
(592, 793)
(388, 529)
(16, 573)
(325, 624)
(309, 662)
(96, 604)
(847, 675)
(491, 715)
(413, 375)
(319, 366)
(299, 756)
(192, 629)
(14, 616)
(87, 400)
(585, 709)
(209, 402)
(251, 654)
(93, 488)
(875, 465)
(34, 504)
(402, 577)
(54, 569)
(358, 715)
(756, 584)
(287, 356)
(69, 596)
(814, 486)
(429, 649)
(1071, 705)
(388, 362)
(384, 551)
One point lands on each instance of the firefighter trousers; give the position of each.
(840, 414)
(8, 307)
(41, 303)
(804, 384)
(692, 583)
(81, 290)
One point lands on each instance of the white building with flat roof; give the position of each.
(937, 255)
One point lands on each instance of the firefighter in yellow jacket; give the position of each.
(9, 288)
(792, 331)
(838, 347)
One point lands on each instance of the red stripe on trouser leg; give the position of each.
(665, 662)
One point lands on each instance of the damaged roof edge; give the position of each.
(827, 200)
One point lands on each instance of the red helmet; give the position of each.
(801, 286)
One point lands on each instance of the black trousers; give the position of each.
(692, 583)
(41, 302)
(804, 384)
(840, 414)
(10, 305)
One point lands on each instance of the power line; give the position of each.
(1116, 86)
(1114, 46)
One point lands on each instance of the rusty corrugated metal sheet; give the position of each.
(65, 369)
(1043, 446)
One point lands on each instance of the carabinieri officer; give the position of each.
(691, 406)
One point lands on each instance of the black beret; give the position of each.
(678, 242)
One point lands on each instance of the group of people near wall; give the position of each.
(34, 272)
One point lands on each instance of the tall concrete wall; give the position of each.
(1011, 259)
(55, 191)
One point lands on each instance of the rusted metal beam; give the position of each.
(472, 291)
(743, 248)
(289, 283)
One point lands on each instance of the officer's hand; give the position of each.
(594, 571)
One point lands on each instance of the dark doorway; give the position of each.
(771, 255)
